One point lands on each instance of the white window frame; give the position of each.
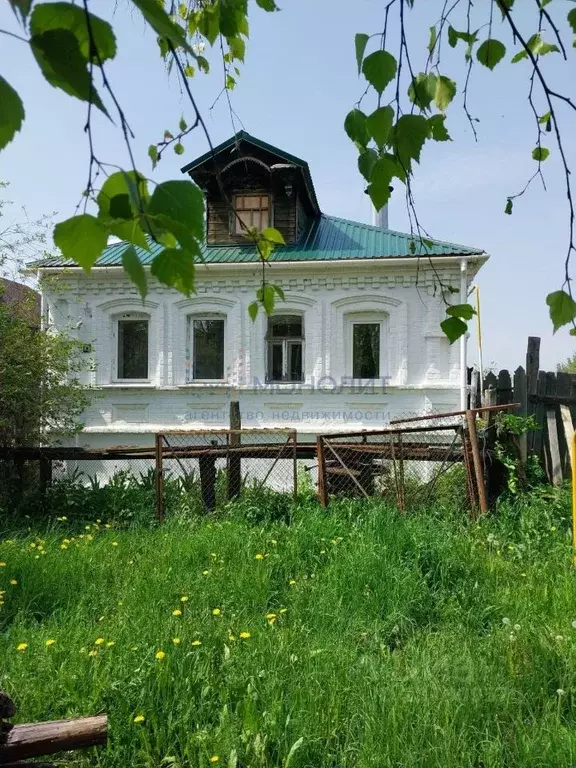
(190, 318)
(116, 319)
(285, 346)
(366, 318)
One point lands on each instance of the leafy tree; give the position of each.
(410, 104)
(41, 397)
(568, 366)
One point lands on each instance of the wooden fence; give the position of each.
(548, 396)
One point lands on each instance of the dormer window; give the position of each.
(251, 211)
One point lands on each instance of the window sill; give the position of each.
(206, 384)
(128, 385)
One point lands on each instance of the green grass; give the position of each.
(398, 640)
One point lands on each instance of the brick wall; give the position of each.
(421, 368)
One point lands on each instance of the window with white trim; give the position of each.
(251, 211)
(132, 350)
(285, 348)
(206, 334)
(366, 342)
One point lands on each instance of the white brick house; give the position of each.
(356, 342)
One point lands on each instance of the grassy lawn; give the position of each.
(358, 637)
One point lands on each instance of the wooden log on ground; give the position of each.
(39, 739)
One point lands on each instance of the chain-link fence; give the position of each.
(216, 466)
(411, 464)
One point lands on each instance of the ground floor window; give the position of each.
(285, 348)
(206, 348)
(133, 347)
(366, 345)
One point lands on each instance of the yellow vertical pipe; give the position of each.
(574, 496)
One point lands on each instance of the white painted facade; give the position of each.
(421, 371)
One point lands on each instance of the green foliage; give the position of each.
(490, 53)
(135, 270)
(568, 366)
(379, 69)
(41, 397)
(81, 238)
(453, 327)
(12, 113)
(360, 42)
(356, 127)
(464, 311)
(379, 124)
(95, 42)
(540, 154)
(562, 308)
(470, 622)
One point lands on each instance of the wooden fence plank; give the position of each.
(490, 382)
(532, 369)
(504, 389)
(521, 396)
(537, 442)
(568, 430)
(555, 467)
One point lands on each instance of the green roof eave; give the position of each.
(244, 136)
(328, 239)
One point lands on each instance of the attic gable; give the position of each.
(243, 157)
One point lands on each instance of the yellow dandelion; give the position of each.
(283, 610)
(215, 759)
(176, 612)
(22, 647)
(245, 635)
(259, 556)
(205, 573)
(63, 546)
(13, 582)
(93, 652)
(134, 648)
(176, 640)
(1, 603)
(110, 643)
(50, 642)
(2, 565)
(216, 611)
(33, 545)
(160, 655)
(273, 541)
(99, 641)
(184, 599)
(65, 541)
(86, 527)
(291, 582)
(270, 616)
(139, 719)
(115, 544)
(196, 643)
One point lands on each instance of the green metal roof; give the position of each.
(244, 136)
(328, 239)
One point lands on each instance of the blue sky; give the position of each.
(298, 83)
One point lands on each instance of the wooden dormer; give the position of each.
(263, 184)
